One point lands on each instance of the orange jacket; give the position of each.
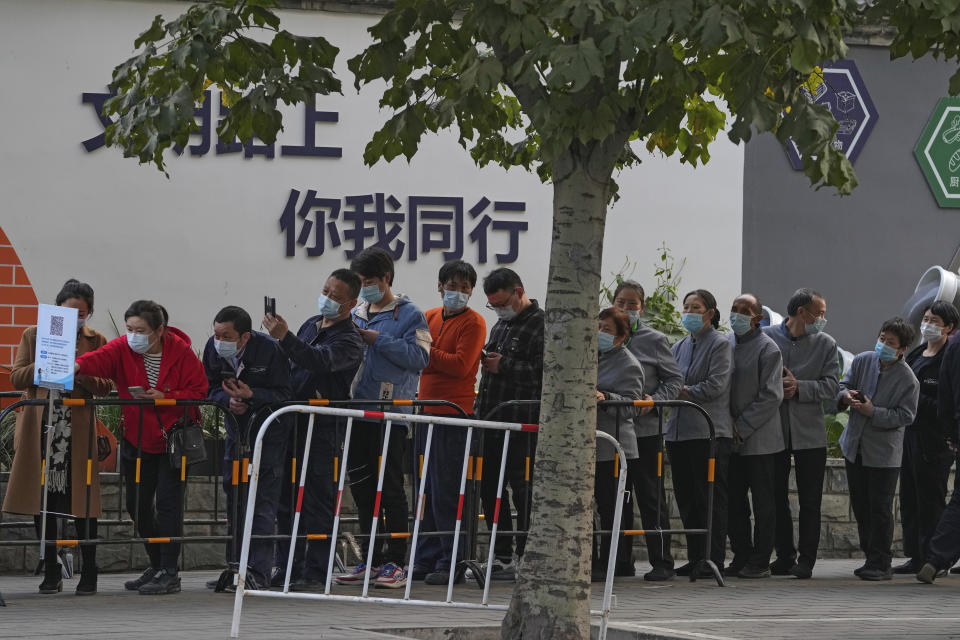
(454, 359)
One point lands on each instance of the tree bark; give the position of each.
(552, 597)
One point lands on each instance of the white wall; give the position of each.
(210, 235)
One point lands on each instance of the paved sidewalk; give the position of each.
(834, 604)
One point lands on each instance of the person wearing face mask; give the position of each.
(756, 390)
(397, 348)
(511, 369)
(324, 356)
(882, 392)
(67, 488)
(458, 333)
(157, 359)
(926, 463)
(811, 370)
(705, 358)
(619, 377)
(247, 372)
(662, 380)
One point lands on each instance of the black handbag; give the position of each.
(185, 443)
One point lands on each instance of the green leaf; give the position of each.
(154, 33)
(804, 55)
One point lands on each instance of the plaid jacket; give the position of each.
(521, 368)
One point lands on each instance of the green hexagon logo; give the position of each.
(938, 152)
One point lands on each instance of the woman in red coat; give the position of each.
(161, 363)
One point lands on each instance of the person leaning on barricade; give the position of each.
(619, 377)
(247, 372)
(662, 380)
(397, 343)
(756, 391)
(511, 369)
(705, 358)
(324, 357)
(882, 392)
(810, 373)
(73, 445)
(154, 361)
(458, 333)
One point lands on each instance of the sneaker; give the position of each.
(782, 566)
(908, 567)
(163, 583)
(802, 570)
(503, 570)
(927, 573)
(658, 574)
(860, 570)
(874, 574)
(442, 578)
(148, 576)
(391, 576)
(356, 576)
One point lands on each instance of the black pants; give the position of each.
(365, 449)
(945, 542)
(605, 494)
(441, 495)
(160, 502)
(85, 528)
(754, 474)
(647, 492)
(923, 491)
(810, 465)
(871, 496)
(689, 462)
(516, 487)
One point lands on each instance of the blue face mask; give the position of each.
(816, 327)
(225, 348)
(328, 308)
(604, 342)
(455, 300)
(740, 323)
(692, 322)
(138, 342)
(371, 294)
(885, 352)
(634, 317)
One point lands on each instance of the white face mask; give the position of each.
(138, 342)
(931, 332)
(505, 313)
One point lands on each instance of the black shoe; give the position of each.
(163, 583)
(875, 575)
(782, 566)
(802, 570)
(659, 574)
(87, 586)
(685, 570)
(955, 569)
(753, 572)
(736, 566)
(148, 575)
(908, 567)
(51, 585)
(442, 577)
(927, 573)
(304, 585)
(859, 570)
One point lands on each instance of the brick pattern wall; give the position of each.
(18, 306)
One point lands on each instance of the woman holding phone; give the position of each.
(74, 443)
(151, 362)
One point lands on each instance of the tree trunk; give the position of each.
(552, 597)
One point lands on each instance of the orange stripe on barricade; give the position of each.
(616, 466)
(420, 467)
(659, 463)
(43, 472)
(246, 468)
(379, 460)
(89, 471)
(165, 402)
(479, 474)
(526, 470)
(136, 479)
(470, 468)
(643, 403)
(235, 477)
(399, 535)
(319, 402)
(711, 465)
(183, 468)
(336, 469)
(67, 543)
(401, 402)
(293, 470)
(317, 536)
(158, 540)
(74, 402)
(634, 532)
(480, 516)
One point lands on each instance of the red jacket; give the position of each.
(454, 359)
(181, 376)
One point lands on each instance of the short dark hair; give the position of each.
(899, 327)
(801, 298)
(236, 316)
(373, 262)
(710, 301)
(349, 278)
(149, 311)
(634, 286)
(500, 279)
(945, 311)
(620, 320)
(458, 269)
(75, 289)
(758, 308)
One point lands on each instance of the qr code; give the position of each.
(56, 325)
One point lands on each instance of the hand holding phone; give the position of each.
(269, 306)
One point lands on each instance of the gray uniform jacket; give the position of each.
(756, 391)
(661, 376)
(706, 364)
(812, 359)
(619, 377)
(894, 391)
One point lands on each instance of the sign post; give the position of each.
(938, 152)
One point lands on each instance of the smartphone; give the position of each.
(858, 396)
(269, 306)
(484, 354)
(136, 392)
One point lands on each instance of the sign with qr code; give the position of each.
(56, 347)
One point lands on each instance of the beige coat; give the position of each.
(23, 490)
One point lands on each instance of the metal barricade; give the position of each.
(388, 419)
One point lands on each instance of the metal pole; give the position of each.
(336, 512)
(418, 514)
(496, 518)
(299, 506)
(614, 534)
(372, 541)
(456, 529)
(45, 473)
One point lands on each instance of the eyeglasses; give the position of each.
(506, 303)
